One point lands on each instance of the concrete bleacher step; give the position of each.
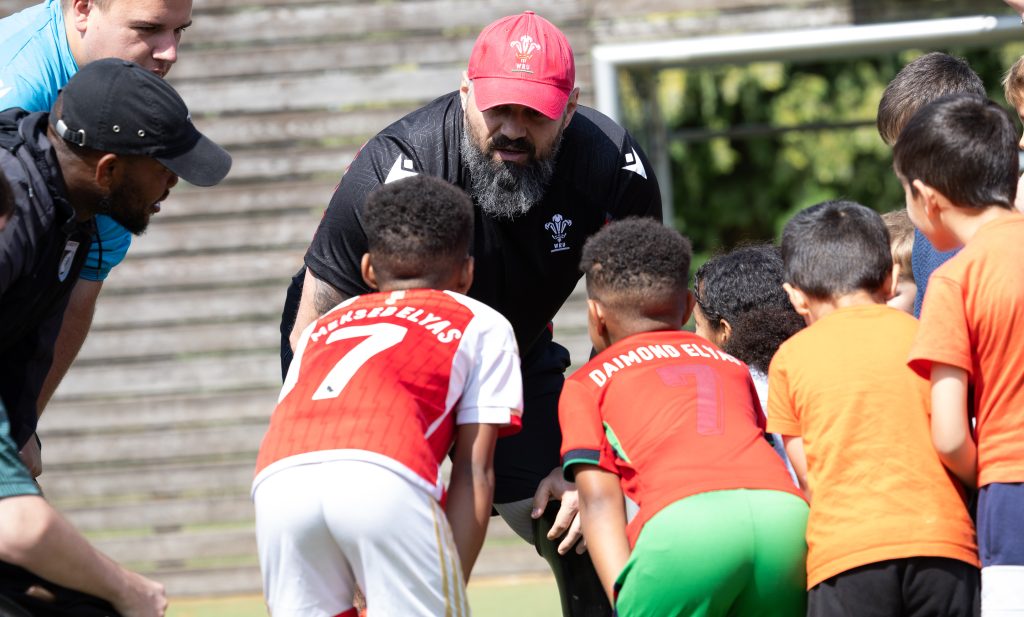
(250, 198)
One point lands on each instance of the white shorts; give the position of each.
(322, 529)
(1002, 591)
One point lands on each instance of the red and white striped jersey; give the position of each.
(385, 378)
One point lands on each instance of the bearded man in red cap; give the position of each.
(544, 173)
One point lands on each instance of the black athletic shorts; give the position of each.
(522, 460)
(914, 587)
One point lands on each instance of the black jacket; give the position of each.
(42, 249)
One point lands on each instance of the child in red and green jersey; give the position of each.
(667, 419)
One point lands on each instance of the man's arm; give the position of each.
(602, 509)
(951, 428)
(36, 537)
(471, 490)
(798, 458)
(108, 247)
(340, 242)
(73, 330)
(317, 298)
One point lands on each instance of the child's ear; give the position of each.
(466, 275)
(366, 268)
(597, 325)
(799, 301)
(595, 313)
(893, 283)
(931, 198)
(691, 301)
(725, 331)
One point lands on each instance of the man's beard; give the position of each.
(124, 205)
(506, 190)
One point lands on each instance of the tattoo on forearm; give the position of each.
(326, 297)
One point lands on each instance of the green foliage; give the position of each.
(752, 144)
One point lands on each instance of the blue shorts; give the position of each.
(1001, 548)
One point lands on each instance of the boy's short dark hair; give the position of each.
(836, 248)
(635, 263)
(744, 287)
(419, 226)
(965, 147)
(927, 78)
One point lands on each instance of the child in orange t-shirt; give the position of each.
(1013, 90)
(888, 532)
(901, 242)
(673, 422)
(957, 160)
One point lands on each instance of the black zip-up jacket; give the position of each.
(42, 250)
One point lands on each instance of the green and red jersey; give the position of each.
(673, 416)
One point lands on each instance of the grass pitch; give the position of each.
(501, 597)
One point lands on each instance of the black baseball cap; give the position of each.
(114, 105)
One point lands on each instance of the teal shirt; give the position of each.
(14, 477)
(36, 63)
(35, 57)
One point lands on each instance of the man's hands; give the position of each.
(31, 457)
(567, 522)
(141, 597)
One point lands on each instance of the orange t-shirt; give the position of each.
(878, 489)
(973, 318)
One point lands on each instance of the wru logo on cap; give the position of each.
(524, 47)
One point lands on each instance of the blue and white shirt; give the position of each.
(35, 63)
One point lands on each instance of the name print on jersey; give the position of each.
(644, 353)
(441, 328)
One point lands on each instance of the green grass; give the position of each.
(245, 606)
(537, 597)
(534, 596)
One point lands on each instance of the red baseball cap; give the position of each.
(522, 60)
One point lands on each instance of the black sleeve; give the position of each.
(26, 351)
(637, 192)
(23, 368)
(16, 246)
(13, 250)
(340, 241)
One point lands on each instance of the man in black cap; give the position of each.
(115, 143)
